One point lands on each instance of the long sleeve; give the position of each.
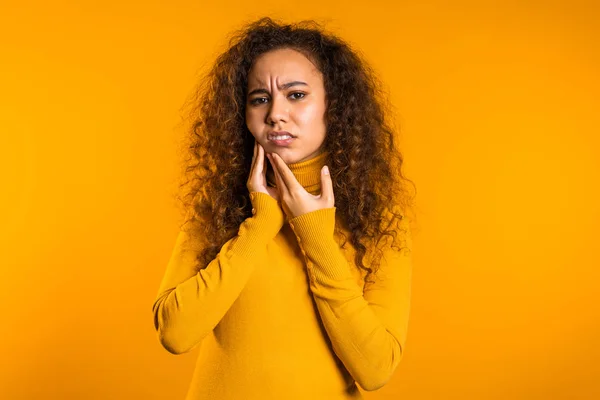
(367, 329)
(191, 303)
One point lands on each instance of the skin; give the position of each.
(298, 109)
(289, 193)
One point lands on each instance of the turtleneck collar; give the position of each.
(307, 172)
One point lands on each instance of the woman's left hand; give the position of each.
(295, 200)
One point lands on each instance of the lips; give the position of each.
(282, 142)
(279, 133)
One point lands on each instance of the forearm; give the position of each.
(367, 334)
(191, 303)
(368, 350)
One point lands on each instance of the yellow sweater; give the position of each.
(282, 311)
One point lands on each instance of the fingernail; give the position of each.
(326, 170)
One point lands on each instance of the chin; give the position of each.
(288, 156)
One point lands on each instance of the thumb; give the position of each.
(326, 186)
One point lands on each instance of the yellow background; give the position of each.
(499, 106)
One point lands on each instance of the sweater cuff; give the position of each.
(266, 221)
(314, 231)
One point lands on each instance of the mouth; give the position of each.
(279, 135)
(281, 139)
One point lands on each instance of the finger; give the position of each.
(326, 185)
(273, 189)
(261, 161)
(284, 172)
(273, 169)
(254, 158)
(280, 185)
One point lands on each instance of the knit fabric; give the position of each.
(282, 312)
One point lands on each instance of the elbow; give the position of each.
(172, 340)
(376, 378)
(373, 382)
(168, 335)
(173, 345)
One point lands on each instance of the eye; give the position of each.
(303, 94)
(257, 101)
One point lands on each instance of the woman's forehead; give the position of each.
(281, 67)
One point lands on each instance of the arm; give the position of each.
(190, 304)
(367, 329)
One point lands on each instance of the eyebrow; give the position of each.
(284, 86)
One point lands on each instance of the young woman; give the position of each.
(290, 155)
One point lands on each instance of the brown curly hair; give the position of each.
(365, 166)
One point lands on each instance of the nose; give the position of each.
(278, 111)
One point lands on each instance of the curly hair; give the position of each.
(368, 183)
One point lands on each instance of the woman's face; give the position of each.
(298, 108)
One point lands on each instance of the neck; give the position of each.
(307, 173)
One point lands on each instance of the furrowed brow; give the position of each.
(284, 86)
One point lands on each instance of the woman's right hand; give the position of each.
(257, 181)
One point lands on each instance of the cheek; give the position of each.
(252, 121)
(310, 115)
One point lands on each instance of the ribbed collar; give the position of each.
(307, 172)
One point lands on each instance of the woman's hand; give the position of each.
(295, 200)
(257, 181)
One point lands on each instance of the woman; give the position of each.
(261, 279)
